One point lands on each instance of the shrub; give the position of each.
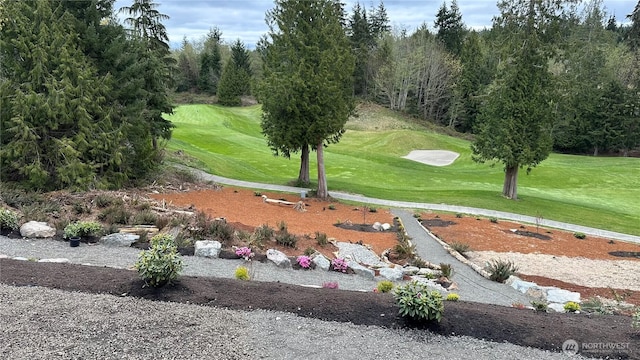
(81, 229)
(242, 273)
(331, 207)
(500, 270)
(162, 222)
(417, 302)
(462, 248)
(282, 226)
(330, 285)
(8, 220)
(262, 234)
(571, 306)
(373, 210)
(579, 235)
(540, 306)
(104, 200)
(321, 238)
(144, 217)
(286, 239)
(220, 230)
(635, 319)
(339, 264)
(309, 251)
(161, 264)
(257, 193)
(80, 208)
(115, 214)
(180, 220)
(304, 261)
(453, 297)
(385, 286)
(595, 305)
(493, 220)
(446, 270)
(459, 215)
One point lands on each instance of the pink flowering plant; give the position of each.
(339, 265)
(244, 252)
(330, 285)
(304, 261)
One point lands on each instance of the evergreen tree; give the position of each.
(516, 119)
(633, 34)
(450, 27)
(307, 87)
(471, 84)
(210, 63)
(56, 126)
(236, 77)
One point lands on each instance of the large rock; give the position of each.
(561, 296)
(410, 270)
(361, 270)
(359, 254)
(522, 286)
(117, 239)
(321, 262)
(393, 274)
(207, 248)
(279, 258)
(37, 229)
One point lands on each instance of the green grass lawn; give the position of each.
(601, 192)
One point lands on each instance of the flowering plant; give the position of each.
(339, 264)
(244, 252)
(304, 261)
(330, 285)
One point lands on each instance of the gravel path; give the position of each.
(40, 323)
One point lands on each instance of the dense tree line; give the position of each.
(81, 96)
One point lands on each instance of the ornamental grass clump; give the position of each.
(384, 286)
(500, 270)
(242, 273)
(8, 220)
(161, 264)
(417, 302)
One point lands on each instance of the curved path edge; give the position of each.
(426, 206)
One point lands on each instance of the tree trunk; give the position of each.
(510, 188)
(303, 175)
(595, 151)
(322, 193)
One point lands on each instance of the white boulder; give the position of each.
(207, 248)
(37, 229)
(279, 258)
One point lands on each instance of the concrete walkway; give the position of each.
(426, 206)
(471, 285)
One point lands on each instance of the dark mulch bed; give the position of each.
(532, 234)
(629, 254)
(363, 227)
(496, 323)
(429, 223)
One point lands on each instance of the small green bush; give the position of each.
(144, 217)
(417, 302)
(635, 319)
(461, 248)
(105, 200)
(286, 239)
(331, 207)
(221, 231)
(262, 234)
(321, 238)
(309, 251)
(453, 297)
(242, 273)
(373, 210)
(446, 270)
(161, 264)
(8, 220)
(571, 306)
(82, 229)
(115, 214)
(540, 306)
(579, 235)
(493, 220)
(384, 286)
(459, 215)
(500, 270)
(282, 226)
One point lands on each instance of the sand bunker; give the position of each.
(433, 157)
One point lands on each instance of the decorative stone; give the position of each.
(562, 296)
(321, 262)
(37, 229)
(386, 227)
(377, 226)
(361, 270)
(279, 258)
(556, 307)
(207, 248)
(58, 260)
(117, 239)
(359, 254)
(522, 286)
(392, 274)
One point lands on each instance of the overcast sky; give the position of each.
(244, 19)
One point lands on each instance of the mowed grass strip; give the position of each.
(602, 192)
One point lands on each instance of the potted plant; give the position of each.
(75, 231)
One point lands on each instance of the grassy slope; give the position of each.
(598, 192)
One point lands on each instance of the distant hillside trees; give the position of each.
(236, 77)
(77, 104)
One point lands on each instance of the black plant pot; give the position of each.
(74, 241)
